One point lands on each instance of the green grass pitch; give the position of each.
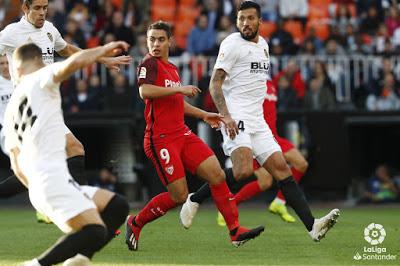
(165, 242)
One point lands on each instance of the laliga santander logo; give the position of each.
(374, 234)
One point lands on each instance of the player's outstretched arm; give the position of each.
(109, 62)
(213, 119)
(149, 91)
(86, 57)
(217, 79)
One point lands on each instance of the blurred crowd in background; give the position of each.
(307, 40)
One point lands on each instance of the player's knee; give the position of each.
(116, 210)
(265, 183)
(96, 236)
(180, 197)
(243, 173)
(74, 147)
(302, 166)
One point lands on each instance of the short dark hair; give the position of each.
(250, 4)
(161, 25)
(28, 52)
(27, 2)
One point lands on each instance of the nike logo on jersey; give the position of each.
(271, 97)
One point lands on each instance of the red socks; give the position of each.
(157, 207)
(225, 204)
(247, 192)
(297, 175)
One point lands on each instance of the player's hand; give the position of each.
(213, 119)
(231, 128)
(115, 62)
(189, 90)
(111, 51)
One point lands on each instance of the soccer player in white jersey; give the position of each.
(35, 140)
(34, 28)
(6, 89)
(237, 87)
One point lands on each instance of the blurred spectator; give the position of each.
(107, 179)
(388, 48)
(293, 75)
(369, 25)
(318, 43)
(4, 4)
(213, 10)
(283, 39)
(119, 96)
(294, 9)
(269, 9)
(56, 16)
(132, 15)
(287, 98)
(174, 49)
(108, 37)
(202, 39)
(121, 32)
(380, 187)
(320, 72)
(392, 22)
(352, 40)
(386, 67)
(307, 48)
(381, 36)
(140, 49)
(225, 28)
(83, 100)
(72, 29)
(332, 47)
(318, 97)
(343, 18)
(388, 99)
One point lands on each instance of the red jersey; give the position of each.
(164, 116)
(269, 106)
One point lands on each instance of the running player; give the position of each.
(239, 77)
(292, 155)
(35, 140)
(171, 145)
(34, 28)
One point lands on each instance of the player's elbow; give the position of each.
(144, 92)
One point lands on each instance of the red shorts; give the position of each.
(285, 144)
(173, 156)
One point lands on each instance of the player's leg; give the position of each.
(89, 235)
(299, 166)
(166, 159)
(241, 155)
(277, 166)
(76, 158)
(11, 186)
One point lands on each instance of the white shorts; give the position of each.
(263, 144)
(60, 198)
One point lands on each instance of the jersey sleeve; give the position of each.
(227, 56)
(47, 76)
(6, 40)
(147, 72)
(59, 42)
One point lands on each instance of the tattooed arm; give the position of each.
(217, 94)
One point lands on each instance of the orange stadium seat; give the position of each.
(320, 2)
(317, 11)
(321, 28)
(353, 10)
(186, 13)
(183, 29)
(295, 29)
(164, 3)
(267, 28)
(187, 2)
(163, 13)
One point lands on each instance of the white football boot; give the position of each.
(322, 225)
(188, 211)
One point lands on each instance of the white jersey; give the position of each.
(34, 122)
(6, 89)
(48, 38)
(247, 65)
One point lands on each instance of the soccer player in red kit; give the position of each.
(292, 155)
(170, 144)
